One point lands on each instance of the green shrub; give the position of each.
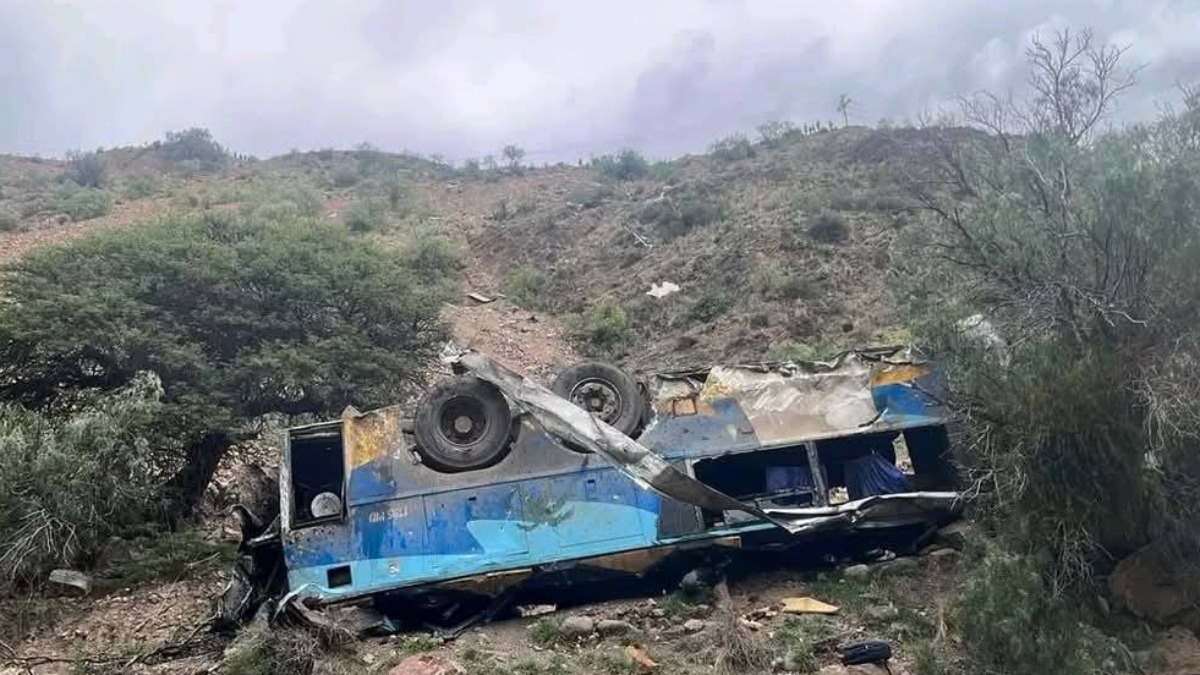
(67, 484)
(87, 169)
(284, 203)
(710, 306)
(732, 149)
(678, 214)
(344, 178)
(9, 220)
(142, 185)
(526, 286)
(828, 228)
(591, 197)
(1014, 624)
(604, 326)
(665, 172)
(241, 317)
(625, 165)
(261, 650)
(772, 134)
(546, 632)
(366, 215)
(193, 149)
(84, 204)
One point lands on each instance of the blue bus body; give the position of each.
(404, 525)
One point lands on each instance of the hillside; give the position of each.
(776, 247)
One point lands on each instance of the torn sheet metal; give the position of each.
(564, 420)
(784, 405)
(859, 392)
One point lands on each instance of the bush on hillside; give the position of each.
(677, 213)
(603, 327)
(625, 165)
(87, 169)
(344, 178)
(279, 203)
(1080, 248)
(732, 149)
(772, 134)
(194, 149)
(69, 483)
(365, 215)
(1015, 625)
(527, 287)
(9, 220)
(828, 228)
(240, 317)
(142, 185)
(84, 204)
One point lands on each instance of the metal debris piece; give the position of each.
(480, 298)
(662, 290)
(72, 579)
(640, 658)
(528, 611)
(807, 605)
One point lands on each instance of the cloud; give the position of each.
(563, 79)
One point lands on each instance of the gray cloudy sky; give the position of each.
(562, 78)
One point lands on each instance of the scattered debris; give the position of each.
(480, 298)
(72, 579)
(662, 290)
(427, 664)
(528, 611)
(641, 660)
(807, 605)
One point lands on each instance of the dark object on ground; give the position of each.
(604, 390)
(462, 424)
(865, 651)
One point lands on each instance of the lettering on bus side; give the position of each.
(389, 512)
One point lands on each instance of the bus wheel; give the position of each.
(462, 424)
(604, 390)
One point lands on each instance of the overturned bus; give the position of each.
(493, 483)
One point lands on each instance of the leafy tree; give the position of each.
(238, 318)
(732, 149)
(844, 103)
(625, 165)
(1083, 251)
(87, 169)
(513, 154)
(194, 148)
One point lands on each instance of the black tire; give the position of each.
(605, 391)
(462, 424)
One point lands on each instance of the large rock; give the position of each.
(578, 626)
(1177, 652)
(1146, 585)
(856, 572)
(614, 627)
(957, 535)
(899, 566)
